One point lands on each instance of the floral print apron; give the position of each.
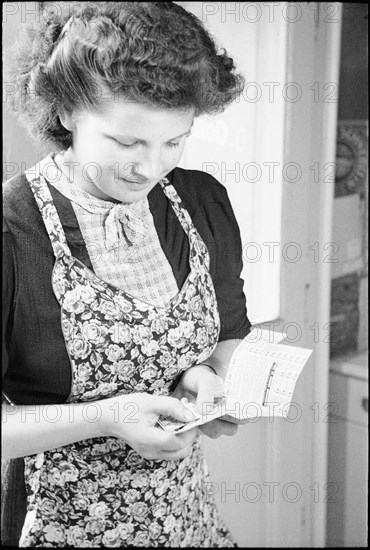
(99, 492)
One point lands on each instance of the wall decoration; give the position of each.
(351, 161)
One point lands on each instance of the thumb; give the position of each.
(170, 406)
(208, 389)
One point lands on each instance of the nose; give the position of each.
(149, 167)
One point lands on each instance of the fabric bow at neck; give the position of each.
(123, 222)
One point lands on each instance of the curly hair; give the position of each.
(150, 52)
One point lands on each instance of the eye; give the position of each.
(177, 143)
(124, 145)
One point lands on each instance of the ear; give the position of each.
(67, 120)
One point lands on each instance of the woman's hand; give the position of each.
(203, 384)
(137, 425)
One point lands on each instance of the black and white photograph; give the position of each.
(185, 275)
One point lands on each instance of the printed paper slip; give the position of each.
(260, 381)
(262, 376)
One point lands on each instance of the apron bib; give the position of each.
(99, 492)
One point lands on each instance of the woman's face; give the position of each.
(123, 153)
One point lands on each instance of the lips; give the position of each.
(139, 183)
(134, 182)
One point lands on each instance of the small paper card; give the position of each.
(260, 381)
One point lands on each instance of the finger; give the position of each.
(217, 428)
(176, 455)
(162, 440)
(243, 421)
(178, 450)
(184, 441)
(166, 444)
(180, 455)
(209, 388)
(187, 438)
(229, 418)
(170, 406)
(230, 429)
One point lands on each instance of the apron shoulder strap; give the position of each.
(198, 250)
(45, 203)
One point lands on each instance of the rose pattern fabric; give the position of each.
(99, 492)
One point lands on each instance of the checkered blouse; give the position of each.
(122, 242)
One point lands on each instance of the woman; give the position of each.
(119, 300)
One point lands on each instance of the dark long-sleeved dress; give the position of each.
(36, 364)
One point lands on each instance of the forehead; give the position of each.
(125, 116)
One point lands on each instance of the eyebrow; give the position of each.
(120, 136)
